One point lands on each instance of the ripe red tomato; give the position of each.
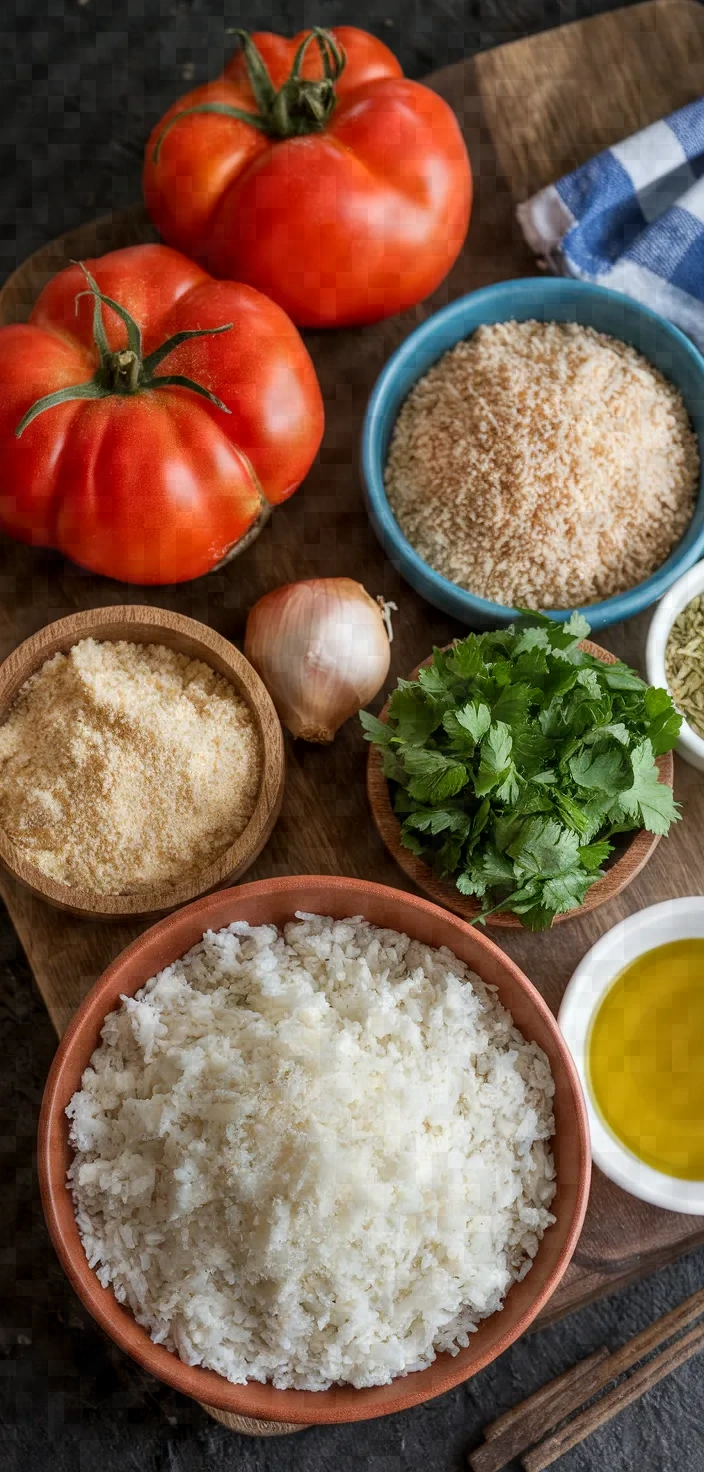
(317, 172)
(145, 465)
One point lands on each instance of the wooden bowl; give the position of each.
(274, 901)
(146, 625)
(620, 874)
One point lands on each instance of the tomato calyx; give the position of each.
(300, 106)
(123, 371)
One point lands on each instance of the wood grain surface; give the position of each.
(529, 111)
(142, 624)
(622, 871)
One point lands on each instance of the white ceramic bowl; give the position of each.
(678, 919)
(690, 746)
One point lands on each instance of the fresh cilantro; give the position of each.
(577, 626)
(531, 639)
(496, 869)
(563, 892)
(596, 816)
(618, 677)
(507, 826)
(466, 659)
(432, 681)
(438, 820)
(649, 800)
(447, 859)
(571, 812)
(495, 759)
(552, 719)
(533, 797)
(606, 770)
(665, 721)
(559, 680)
(468, 724)
(375, 730)
(544, 847)
(657, 702)
(411, 841)
(593, 855)
(584, 717)
(589, 680)
(391, 766)
(413, 714)
(512, 704)
(502, 673)
(434, 777)
(617, 729)
(536, 917)
(479, 822)
(509, 789)
(531, 751)
(515, 759)
(471, 882)
(532, 664)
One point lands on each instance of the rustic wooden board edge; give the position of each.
(491, 93)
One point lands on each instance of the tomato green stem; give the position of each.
(124, 371)
(300, 106)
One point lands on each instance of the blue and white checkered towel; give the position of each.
(633, 219)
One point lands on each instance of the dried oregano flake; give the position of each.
(684, 663)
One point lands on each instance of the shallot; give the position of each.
(322, 650)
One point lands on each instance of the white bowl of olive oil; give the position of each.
(633, 1019)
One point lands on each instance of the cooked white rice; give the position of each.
(313, 1157)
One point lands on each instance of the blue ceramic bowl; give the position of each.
(546, 299)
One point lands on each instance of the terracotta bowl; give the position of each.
(618, 876)
(146, 625)
(276, 901)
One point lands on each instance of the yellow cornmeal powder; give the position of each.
(126, 764)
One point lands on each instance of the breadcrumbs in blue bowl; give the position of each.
(539, 444)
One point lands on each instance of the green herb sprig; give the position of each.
(516, 758)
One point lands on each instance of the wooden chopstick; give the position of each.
(615, 1400)
(520, 1427)
(517, 1430)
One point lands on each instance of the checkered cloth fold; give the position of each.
(632, 219)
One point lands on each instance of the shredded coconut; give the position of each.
(126, 764)
(314, 1157)
(543, 465)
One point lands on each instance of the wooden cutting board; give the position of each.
(530, 111)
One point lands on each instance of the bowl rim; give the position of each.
(632, 861)
(674, 601)
(147, 623)
(590, 982)
(458, 601)
(337, 1405)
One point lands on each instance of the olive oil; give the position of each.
(646, 1058)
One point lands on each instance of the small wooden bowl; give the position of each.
(145, 625)
(640, 848)
(274, 902)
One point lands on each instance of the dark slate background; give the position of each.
(81, 84)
